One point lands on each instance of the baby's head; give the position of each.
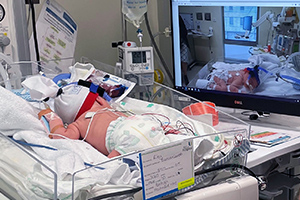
(75, 99)
(252, 81)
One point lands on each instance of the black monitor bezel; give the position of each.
(260, 103)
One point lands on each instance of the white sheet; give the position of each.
(30, 181)
(17, 114)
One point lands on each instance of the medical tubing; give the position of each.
(295, 80)
(32, 144)
(156, 48)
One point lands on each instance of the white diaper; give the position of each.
(134, 133)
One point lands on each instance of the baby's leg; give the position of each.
(233, 88)
(236, 84)
(220, 84)
(114, 153)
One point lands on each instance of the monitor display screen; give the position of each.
(238, 54)
(139, 57)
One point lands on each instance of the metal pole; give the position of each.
(21, 35)
(124, 25)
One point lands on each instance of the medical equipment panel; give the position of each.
(138, 61)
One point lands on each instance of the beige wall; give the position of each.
(99, 24)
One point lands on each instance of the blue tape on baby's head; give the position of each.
(253, 72)
(93, 88)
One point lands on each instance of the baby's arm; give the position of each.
(70, 132)
(57, 129)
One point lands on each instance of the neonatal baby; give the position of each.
(109, 131)
(240, 81)
(235, 81)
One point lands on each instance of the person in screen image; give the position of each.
(184, 50)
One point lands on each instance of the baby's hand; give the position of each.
(44, 112)
(53, 120)
(51, 117)
(103, 102)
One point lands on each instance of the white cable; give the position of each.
(88, 128)
(87, 131)
(92, 117)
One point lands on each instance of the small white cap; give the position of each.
(68, 104)
(40, 87)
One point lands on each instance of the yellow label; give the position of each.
(186, 183)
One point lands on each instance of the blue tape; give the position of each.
(93, 88)
(61, 76)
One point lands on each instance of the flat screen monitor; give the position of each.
(238, 54)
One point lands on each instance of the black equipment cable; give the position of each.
(34, 31)
(156, 47)
(131, 191)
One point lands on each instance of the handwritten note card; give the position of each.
(167, 169)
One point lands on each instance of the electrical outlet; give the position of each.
(198, 25)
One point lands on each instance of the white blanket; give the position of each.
(17, 114)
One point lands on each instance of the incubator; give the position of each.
(72, 169)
